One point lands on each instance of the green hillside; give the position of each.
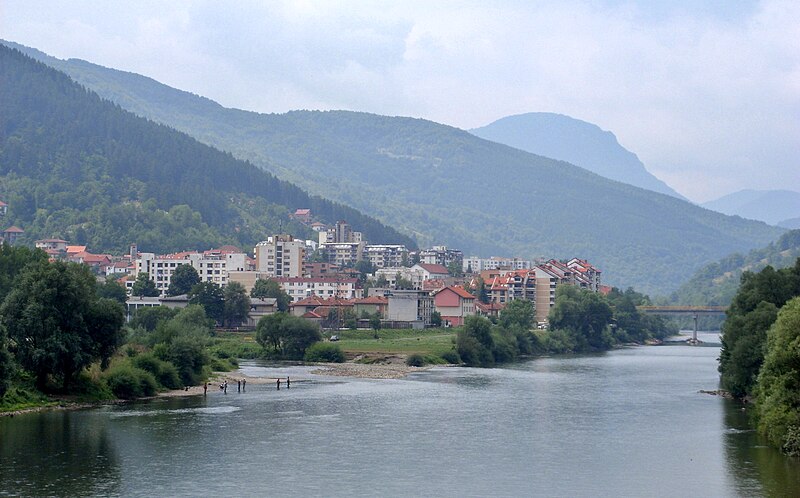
(444, 185)
(78, 167)
(717, 283)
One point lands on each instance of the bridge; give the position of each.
(693, 311)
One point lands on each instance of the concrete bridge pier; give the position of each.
(694, 332)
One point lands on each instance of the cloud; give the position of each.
(708, 95)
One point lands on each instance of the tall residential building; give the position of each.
(280, 256)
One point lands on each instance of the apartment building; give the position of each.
(280, 256)
(474, 264)
(301, 287)
(385, 255)
(442, 255)
(212, 266)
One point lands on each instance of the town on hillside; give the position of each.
(341, 279)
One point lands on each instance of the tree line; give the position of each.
(760, 357)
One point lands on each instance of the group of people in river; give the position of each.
(241, 384)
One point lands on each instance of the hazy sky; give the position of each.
(706, 93)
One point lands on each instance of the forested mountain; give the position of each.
(78, 167)
(717, 283)
(445, 185)
(574, 141)
(770, 206)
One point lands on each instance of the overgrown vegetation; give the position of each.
(760, 355)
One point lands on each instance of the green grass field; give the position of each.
(397, 341)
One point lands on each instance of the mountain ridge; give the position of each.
(76, 166)
(575, 141)
(448, 186)
(774, 207)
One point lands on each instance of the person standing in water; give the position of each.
(287, 382)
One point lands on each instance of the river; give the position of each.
(629, 422)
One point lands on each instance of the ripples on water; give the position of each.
(627, 423)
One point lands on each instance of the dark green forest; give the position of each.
(444, 185)
(760, 357)
(78, 167)
(717, 283)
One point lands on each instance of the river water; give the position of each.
(625, 423)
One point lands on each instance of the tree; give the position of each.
(105, 319)
(13, 259)
(6, 366)
(183, 279)
(474, 342)
(436, 319)
(286, 335)
(237, 303)
(778, 392)
(210, 296)
(143, 286)
(112, 289)
(520, 313)
(583, 314)
(375, 322)
(268, 288)
(752, 312)
(403, 283)
(56, 323)
(455, 269)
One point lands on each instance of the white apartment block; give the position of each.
(415, 275)
(302, 287)
(344, 253)
(212, 266)
(441, 255)
(475, 264)
(280, 256)
(385, 255)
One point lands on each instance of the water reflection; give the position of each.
(57, 454)
(758, 469)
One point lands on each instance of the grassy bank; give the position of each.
(397, 341)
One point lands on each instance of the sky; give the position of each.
(707, 94)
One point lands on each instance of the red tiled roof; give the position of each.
(486, 308)
(459, 292)
(3, 204)
(75, 249)
(310, 314)
(434, 268)
(13, 229)
(372, 300)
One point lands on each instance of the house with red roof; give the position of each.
(431, 271)
(11, 234)
(302, 215)
(454, 304)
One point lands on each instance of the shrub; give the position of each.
(164, 372)
(415, 360)
(127, 381)
(451, 357)
(324, 352)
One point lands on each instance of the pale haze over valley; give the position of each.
(707, 94)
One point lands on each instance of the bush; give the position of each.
(451, 357)
(127, 382)
(415, 360)
(164, 372)
(324, 352)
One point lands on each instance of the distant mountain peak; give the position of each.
(776, 207)
(581, 143)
